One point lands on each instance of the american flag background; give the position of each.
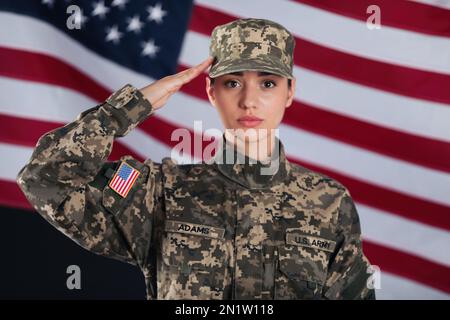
(372, 105)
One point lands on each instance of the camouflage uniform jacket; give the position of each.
(198, 231)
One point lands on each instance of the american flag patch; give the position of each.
(124, 179)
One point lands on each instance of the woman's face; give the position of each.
(251, 100)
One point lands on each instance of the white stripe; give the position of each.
(350, 99)
(12, 160)
(35, 35)
(404, 235)
(355, 162)
(40, 101)
(387, 44)
(437, 3)
(396, 288)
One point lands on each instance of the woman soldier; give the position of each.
(216, 230)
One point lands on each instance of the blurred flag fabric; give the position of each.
(372, 107)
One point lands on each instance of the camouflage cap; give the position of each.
(251, 44)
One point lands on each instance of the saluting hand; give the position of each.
(160, 91)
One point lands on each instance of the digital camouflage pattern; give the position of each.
(199, 231)
(252, 44)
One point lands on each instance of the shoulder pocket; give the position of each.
(129, 175)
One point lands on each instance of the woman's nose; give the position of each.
(249, 98)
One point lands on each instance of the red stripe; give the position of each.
(408, 266)
(402, 14)
(12, 196)
(391, 201)
(46, 69)
(423, 151)
(401, 80)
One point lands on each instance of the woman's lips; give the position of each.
(249, 121)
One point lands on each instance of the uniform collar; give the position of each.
(248, 174)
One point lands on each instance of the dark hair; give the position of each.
(214, 80)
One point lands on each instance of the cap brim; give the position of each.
(250, 64)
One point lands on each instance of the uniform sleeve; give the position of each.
(348, 269)
(66, 180)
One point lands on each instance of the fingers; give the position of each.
(167, 86)
(189, 74)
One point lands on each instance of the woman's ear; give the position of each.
(210, 91)
(291, 93)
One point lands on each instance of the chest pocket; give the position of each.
(193, 261)
(302, 266)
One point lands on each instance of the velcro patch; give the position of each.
(298, 238)
(123, 179)
(196, 229)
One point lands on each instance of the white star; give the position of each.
(156, 13)
(80, 18)
(134, 24)
(149, 48)
(113, 34)
(100, 9)
(119, 3)
(48, 2)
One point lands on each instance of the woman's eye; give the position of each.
(231, 84)
(269, 84)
